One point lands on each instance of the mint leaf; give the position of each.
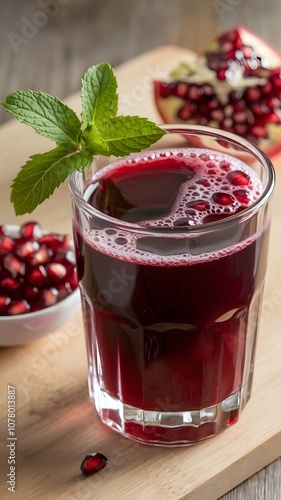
(39, 177)
(46, 114)
(128, 134)
(94, 141)
(99, 96)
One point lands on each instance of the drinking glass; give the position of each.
(171, 312)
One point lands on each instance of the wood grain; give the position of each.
(88, 31)
(56, 423)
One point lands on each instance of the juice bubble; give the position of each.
(200, 186)
(211, 193)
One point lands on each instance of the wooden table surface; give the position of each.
(75, 34)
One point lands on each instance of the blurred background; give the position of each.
(48, 44)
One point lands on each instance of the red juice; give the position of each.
(171, 316)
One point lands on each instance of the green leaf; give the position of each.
(39, 177)
(46, 114)
(128, 134)
(94, 142)
(99, 96)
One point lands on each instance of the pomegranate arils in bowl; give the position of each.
(32, 264)
(38, 283)
(235, 86)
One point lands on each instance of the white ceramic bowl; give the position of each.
(23, 328)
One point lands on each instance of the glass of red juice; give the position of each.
(171, 249)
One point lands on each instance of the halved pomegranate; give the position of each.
(235, 86)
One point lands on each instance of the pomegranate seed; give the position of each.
(31, 231)
(50, 296)
(38, 277)
(195, 92)
(271, 103)
(181, 90)
(253, 94)
(260, 108)
(41, 257)
(28, 248)
(276, 80)
(239, 104)
(208, 89)
(267, 88)
(55, 241)
(259, 132)
(186, 111)
(4, 303)
(240, 129)
(218, 115)
(227, 46)
(13, 265)
(10, 284)
(31, 293)
(242, 196)
(167, 89)
(6, 244)
(223, 198)
(93, 463)
(73, 281)
(238, 178)
(64, 290)
(67, 258)
(239, 117)
(213, 104)
(273, 118)
(221, 74)
(19, 307)
(247, 51)
(56, 272)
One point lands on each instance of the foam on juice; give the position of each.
(217, 187)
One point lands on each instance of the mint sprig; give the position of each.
(100, 131)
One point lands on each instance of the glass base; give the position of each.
(162, 428)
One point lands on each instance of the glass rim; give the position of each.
(189, 129)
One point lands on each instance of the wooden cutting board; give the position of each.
(57, 424)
